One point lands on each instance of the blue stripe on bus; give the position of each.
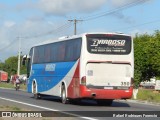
(49, 75)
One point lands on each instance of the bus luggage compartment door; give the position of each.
(108, 76)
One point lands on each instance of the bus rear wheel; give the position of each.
(64, 96)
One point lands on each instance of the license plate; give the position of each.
(108, 88)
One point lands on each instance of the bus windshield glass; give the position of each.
(108, 44)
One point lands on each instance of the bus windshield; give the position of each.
(108, 44)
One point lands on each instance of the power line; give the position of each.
(146, 23)
(106, 13)
(60, 29)
(57, 30)
(66, 25)
(98, 15)
(91, 17)
(8, 46)
(142, 24)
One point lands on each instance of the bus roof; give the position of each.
(75, 36)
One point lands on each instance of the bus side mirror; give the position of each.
(23, 62)
(24, 59)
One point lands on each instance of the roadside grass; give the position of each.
(9, 108)
(10, 85)
(148, 95)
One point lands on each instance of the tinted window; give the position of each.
(58, 52)
(61, 51)
(69, 51)
(47, 54)
(36, 55)
(113, 44)
(73, 50)
(41, 52)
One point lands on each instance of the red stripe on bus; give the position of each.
(73, 88)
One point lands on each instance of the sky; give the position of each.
(35, 21)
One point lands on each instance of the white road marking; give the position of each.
(45, 108)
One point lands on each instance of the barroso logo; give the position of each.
(97, 42)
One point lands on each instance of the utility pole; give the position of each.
(75, 25)
(19, 56)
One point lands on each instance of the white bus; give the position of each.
(97, 66)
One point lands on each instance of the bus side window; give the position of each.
(61, 55)
(47, 54)
(41, 54)
(69, 51)
(36, 54)
(54, 49)
(77, 49)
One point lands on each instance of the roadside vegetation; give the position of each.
(148, 95)
(10, 66)
(9, 108)
(147, 57)
(10, 85)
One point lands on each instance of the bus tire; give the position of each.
(105, 102)
(36, 95)
(63, 95)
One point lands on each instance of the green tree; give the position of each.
(11, 65)
(1, 66)
(155, 53)
(147, 56)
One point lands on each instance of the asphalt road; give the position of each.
(87, 108)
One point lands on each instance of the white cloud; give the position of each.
(62, 7)
(9, 23)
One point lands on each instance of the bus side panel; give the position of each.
(47, 80)
(73, 88)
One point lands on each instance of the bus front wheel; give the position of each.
(36, 95)
(63, 95)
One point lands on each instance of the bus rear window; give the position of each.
(111, 44)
